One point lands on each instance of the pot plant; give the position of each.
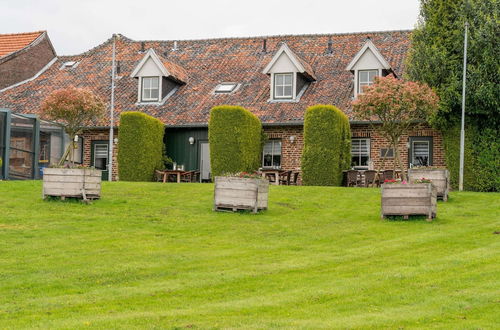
(73, 108)
(440, 178)
(405, 199)
(241, 191)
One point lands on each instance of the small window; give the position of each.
(365, 78)
(360, 153)
(271, 156)
(387, 152)
(150, 89)
(421, 151)
(225, 88)
(69, 65)
(283, 85)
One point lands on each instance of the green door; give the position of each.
(99, 157)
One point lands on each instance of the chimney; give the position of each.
(118, 69)
(264, 45)
(142, 47)
(330, 44)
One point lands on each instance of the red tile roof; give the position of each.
(10, 43)
(210, 62)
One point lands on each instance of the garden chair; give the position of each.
(295, 178)
(159, 175)
(353, 178)
(388, 175)
(187, 176)
(284, 177)
(370, 177)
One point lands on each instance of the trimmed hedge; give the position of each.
(327, 146)
(140, 146)
(482, 157)
(235, 137)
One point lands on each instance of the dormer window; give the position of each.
(366, 65)
(290, 75)
(158, 78)
(150, 89)
(283, 85)
(366, 78)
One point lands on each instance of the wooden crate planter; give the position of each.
(440, 178)
(233, 193)
(409, 199)
(82, 183)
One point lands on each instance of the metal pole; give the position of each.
(111, 116)
(462, 129)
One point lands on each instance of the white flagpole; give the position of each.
(112, 113)
(462, 129)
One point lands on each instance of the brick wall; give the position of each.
(26, 63)
(99, 135)
(291, 152)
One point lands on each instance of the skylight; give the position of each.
(225, 87)
(69, 64)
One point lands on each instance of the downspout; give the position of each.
(112, 113)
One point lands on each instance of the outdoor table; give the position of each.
(275, 172)
(178, 173)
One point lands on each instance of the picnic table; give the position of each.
(177, 173)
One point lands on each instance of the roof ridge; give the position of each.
(22, 33)
(273, 36)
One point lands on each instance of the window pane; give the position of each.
(277, 148)
(277, 160)
(288, 79)
(154, 82)
(421, 153)
(372, 75)
(279, 79)
(279, 91)
(146, 82)
(154, 94)
(363, 76)
(268, 148)
(288, 91)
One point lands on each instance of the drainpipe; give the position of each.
(112, 113)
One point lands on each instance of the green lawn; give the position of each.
(152, 255)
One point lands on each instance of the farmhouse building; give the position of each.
(275, 77)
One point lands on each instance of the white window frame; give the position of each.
(151, 99)
(366, 83)
(225, 88)
(273, 141)
(413, 151)
(283, 97)
(361, 154)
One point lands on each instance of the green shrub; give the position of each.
(327, 146)
(235, 136)
(481, 157)
(140, 145)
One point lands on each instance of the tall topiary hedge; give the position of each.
(140, 145)
(481, 157)
(235, 136)
(327, 146)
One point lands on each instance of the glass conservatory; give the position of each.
(27, 145)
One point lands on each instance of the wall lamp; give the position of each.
(191, 140)
(292, 138)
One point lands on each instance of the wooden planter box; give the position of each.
(72, 182)
(440, 178)
(232, 193)
(409, 199)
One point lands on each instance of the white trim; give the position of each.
(284, 49)
(369, 44)
(151, 99)
(150, 54)
(296, 100)
(45, 68)
(286, 97)
(172, 92)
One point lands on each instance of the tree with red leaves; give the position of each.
(393, 107)
(74, 108)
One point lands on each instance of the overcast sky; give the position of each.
(76, 26)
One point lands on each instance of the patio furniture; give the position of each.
(353, 178)
(196, 176)
(272, 175)
(285, 177)
(370, 178)
(187, 176)
(172, 173)
(388, 175)
(159, 176)
(295, 178)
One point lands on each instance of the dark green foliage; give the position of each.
(482, 157)
(327, 146)
(436, 58)
(140, 146)
(235, 136)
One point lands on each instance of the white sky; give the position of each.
(75, 26)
